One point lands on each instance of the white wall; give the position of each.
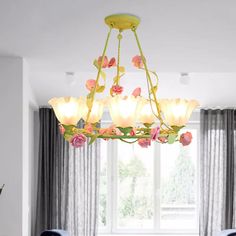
(33, 165)
(15, 96)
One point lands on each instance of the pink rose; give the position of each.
(90, 84)
(137, 61)
(162, 139)
(136, 92)
(105, 61)
(154, 133)
(89, 128)
(186, 138)
(144, 142)
(62, 129)
(112, 62)
(116, 89)
(78, 140)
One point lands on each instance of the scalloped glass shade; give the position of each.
(145, 114)
(123, 110)
(177, 111)
(68, 110)
(96, 112)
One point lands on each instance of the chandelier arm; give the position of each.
(98, 74)
(119, 36)
(149, 79)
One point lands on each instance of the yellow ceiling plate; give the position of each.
(122, 21)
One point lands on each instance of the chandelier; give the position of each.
(134, 117)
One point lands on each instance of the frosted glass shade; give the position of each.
(123, 110)
(96, 112)
(177, 111)
(68, 110)
(145, 111)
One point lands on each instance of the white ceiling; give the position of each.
(55, 36)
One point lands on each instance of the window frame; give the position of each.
(111, 209)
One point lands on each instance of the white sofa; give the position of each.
(228, 232)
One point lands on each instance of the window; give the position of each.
(153, 190)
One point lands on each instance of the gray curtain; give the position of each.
(68, 182)
(217, 171)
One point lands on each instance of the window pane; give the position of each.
(179, 185)
(134, 186)
(103, 186)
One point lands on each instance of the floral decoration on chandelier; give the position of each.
(135, 118)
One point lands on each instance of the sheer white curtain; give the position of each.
(217, 171)
(68, 182)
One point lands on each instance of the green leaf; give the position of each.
(93, 138)
(95, 63)
(126, 130)
(100, 89)
(177, 128)
(155, 89)
(116, 80)
(171, 138)
(67, 136)
(103, 74)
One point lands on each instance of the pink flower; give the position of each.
(89, 128)
(155, 133)
(78, 140)
(144, 142)
(117, 89)
(137, 61)
(162, 139)
(112, 62)
(136, 92)
(186, 138)
(62, 129)
(90, 84)
(105, 61)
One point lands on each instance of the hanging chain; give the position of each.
(119, 37)
(149, 81)
(99, 72)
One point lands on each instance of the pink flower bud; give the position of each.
(90, 84)
(136, 92)
(62, 129)
(186, 138)
(89, 128)
(105, 61)
(132, 132)
(112, 62)
(155, 133)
